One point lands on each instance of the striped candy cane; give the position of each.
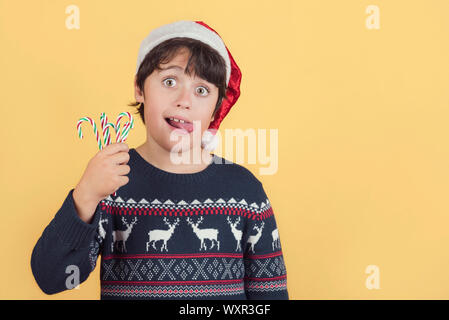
(122, 136)
(80, 134)
(105, 128)
(125, 132)
(103, 121)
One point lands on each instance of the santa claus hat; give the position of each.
(200, 31)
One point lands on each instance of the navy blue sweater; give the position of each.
(205, 235)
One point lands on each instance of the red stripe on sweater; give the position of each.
(114, 210)
(164, 283)
(168, 256)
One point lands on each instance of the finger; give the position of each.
(123, 180)
(120, 158)
(123, 170)
(115, 147)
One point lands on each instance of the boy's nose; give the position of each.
(184, 99)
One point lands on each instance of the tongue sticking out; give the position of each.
(185, 125)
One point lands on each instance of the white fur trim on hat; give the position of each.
(209, 141)
(188, 29)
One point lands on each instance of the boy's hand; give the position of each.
(105, 173)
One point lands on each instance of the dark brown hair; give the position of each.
(204, 61)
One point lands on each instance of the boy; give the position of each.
(190, 230)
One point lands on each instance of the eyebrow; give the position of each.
(172, 67)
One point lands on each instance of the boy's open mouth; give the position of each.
(176, 123)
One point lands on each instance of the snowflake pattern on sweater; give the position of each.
(187, 241)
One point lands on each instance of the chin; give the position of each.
(177, 145)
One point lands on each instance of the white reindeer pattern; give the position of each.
(276, 242)
(164, 235)
(252, 240)
(101, 229)
(203, 234)
(122, 235)
(237, 233)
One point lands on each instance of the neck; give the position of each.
(161, 158)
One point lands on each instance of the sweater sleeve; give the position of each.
(265, 271)
(67, 251)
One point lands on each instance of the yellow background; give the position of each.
(362, 116)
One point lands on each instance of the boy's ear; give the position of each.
(137, 93)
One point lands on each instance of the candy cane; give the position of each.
(103, 121)
(122, 136)
(125, 132)
(106, 135)
(107, 132)
(105, 128)
(130, 124)
(80, 134)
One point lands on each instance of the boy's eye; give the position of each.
(204, 91)
(169, 80)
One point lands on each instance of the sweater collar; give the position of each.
(151, 172)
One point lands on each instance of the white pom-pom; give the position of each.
(209, 141)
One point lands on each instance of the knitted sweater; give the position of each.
(205, 235)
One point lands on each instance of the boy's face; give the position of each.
(172, 93)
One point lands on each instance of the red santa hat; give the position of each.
(200, 31)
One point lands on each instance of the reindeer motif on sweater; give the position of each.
(122, 235)
(203, 234)
(237, 233)
(101, 229)
(163, 235)
(252, 240)
(276, 243)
